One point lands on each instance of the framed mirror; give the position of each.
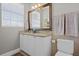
(40, 18)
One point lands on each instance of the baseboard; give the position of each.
(10, 53)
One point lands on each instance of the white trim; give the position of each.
(10, 53)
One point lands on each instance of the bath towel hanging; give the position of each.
(58, 24)
(71, 24)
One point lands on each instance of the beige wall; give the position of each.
(9, 38)
(61, 8)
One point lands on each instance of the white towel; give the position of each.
(71, 24)
(58, 24)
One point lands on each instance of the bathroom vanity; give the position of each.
(36, 44)
(39, 21)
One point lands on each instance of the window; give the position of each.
(12, 15)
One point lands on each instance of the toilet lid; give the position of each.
(65, 45)
(60, 53)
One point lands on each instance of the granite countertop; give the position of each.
(39, 33)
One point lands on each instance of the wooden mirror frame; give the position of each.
(50, 16)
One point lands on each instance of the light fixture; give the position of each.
(39, 4)
(36, 6)
(33, 7)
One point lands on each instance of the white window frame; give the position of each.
(12, 17)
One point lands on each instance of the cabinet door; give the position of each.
(27, 44)
(31, 47)
(43, 46)
(38, 46)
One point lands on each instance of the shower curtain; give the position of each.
(58, 24)
(72, 24)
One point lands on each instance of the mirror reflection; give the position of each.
(40, 18)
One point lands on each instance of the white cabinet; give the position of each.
(35, 46)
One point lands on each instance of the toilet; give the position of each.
(65, 47)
